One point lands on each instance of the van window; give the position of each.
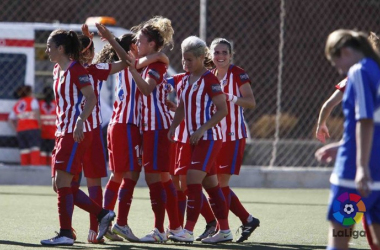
(12, 72)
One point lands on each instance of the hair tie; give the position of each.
(88, 46)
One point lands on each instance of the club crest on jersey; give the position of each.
(216, 88)
(154, 73)
(83, 79)
(121, 95)
(195, 86)
(223, 82)
(244, 77)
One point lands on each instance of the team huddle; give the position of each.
(201, 147)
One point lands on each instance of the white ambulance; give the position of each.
(23, 62)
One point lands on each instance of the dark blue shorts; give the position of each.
(29, 138)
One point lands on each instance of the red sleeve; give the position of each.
(156, 71)
(79, 76)
(100, 71)
(241, 76)
(177, 78)
(341, 85)
(212, 86)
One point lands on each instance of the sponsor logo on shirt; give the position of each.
(83, 79)
(216, 88)
(244, 77)
(102, 66)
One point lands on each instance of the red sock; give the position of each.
(237, 208)
(206, 210)
(84, 202)
(110, 195)
(25, 159)
(65, 207)
(171, 204)
(368, 235)
(96, 195)
(227, 196)
(218, 205)
(125, 199)
(158, 201)
(194, 203)
(35, 157)
(181, 206)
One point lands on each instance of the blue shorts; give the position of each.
(346, 206)
(28, 139)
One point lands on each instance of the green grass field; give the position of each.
(290, 219)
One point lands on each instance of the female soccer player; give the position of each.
(237, 86)
(75, 99)
(48, 116)
(94, 164)
(327, 153)
(203, 105)
(152, 36)
(182, 159)
(25, 119)
(358, 161)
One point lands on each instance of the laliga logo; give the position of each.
(348, 209)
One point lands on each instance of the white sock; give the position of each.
(250, 218)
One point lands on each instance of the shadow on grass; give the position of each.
(138, 246)
(142, 198)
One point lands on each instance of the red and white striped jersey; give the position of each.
(69, 98)
(127, 105)
(98, 73)
(155, 114)
(233, 126)
(181, 134)
(48, 118)
(198, 105)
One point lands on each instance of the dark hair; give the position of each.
(70, 42)
(87, 45)
(158, 29)
(348, 38)
(48, 93)
(108, 54)
(224, 41)
(22, 91)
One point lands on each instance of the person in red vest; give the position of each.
(24, 117)
(48, 116)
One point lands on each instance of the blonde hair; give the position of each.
(348, 38)
(374, 40)
(194, 45)
(158, 29)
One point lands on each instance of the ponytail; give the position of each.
(70, 42)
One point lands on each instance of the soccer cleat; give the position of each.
(210, 230)
(219, 237)
(74, 234)
(58, 241)
(92, 238)
(104, 223)
(172, 232)
(154, 237)
(112, 236)
(183, 236)
(248, 228)
(125, 232)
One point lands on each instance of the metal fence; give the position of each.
(280, 43)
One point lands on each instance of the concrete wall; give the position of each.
(255, 177)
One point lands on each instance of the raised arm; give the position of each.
(121, 53)
(146, 60)
(322, 131)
